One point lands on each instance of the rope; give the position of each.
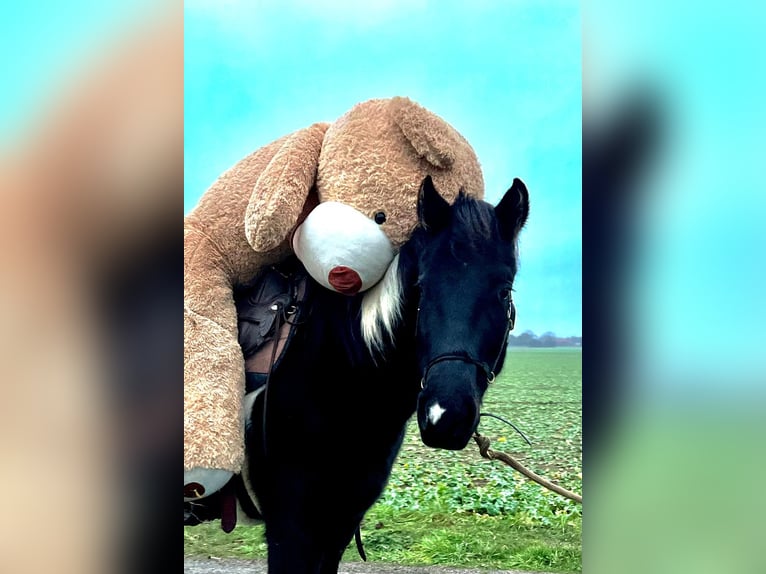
(486, 452)
(510, 424)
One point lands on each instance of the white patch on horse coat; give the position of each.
(248, 405)
(381, 308)
(435, 413)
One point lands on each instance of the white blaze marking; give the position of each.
(435, 413)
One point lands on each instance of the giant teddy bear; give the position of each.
(342, 196)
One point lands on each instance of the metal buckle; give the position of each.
(511, 315)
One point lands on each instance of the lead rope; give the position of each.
(509, 423)
(486, 452)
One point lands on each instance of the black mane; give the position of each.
(474, 224)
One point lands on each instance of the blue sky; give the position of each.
(505, 74)
(697, 291)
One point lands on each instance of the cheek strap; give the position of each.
(489, 372)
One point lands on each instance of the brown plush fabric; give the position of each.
(373, 158)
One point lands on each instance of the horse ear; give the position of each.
(513, 209)
(433, 209)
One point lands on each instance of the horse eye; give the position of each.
(380, 217)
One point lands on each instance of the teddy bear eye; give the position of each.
(380, 217)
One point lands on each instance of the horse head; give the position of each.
(460, 266)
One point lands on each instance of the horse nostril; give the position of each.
(345, 280)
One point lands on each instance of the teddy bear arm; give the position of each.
(213, 394)
(213, 362)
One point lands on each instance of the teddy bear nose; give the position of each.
(345, 280)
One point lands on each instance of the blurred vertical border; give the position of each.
(674, 277)
(91, 191)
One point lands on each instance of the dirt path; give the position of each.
(231, 566)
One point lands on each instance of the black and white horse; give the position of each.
(428, 339)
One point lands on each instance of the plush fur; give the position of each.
(373, 158)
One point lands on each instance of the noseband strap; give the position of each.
(488, 371)
(455, 357)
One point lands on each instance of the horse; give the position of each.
(427, 340)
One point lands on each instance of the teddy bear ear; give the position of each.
(281, 191)
(433, 139)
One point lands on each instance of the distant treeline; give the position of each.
(547, 339)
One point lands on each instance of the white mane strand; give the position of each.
(382, 309)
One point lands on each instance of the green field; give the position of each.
(458, 509)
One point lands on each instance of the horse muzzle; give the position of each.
(445, 431)
(448, 414)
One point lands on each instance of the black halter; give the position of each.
(466, 358)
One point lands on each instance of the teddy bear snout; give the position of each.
(345, 280)
(342, 248)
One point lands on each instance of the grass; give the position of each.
(457, 509)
